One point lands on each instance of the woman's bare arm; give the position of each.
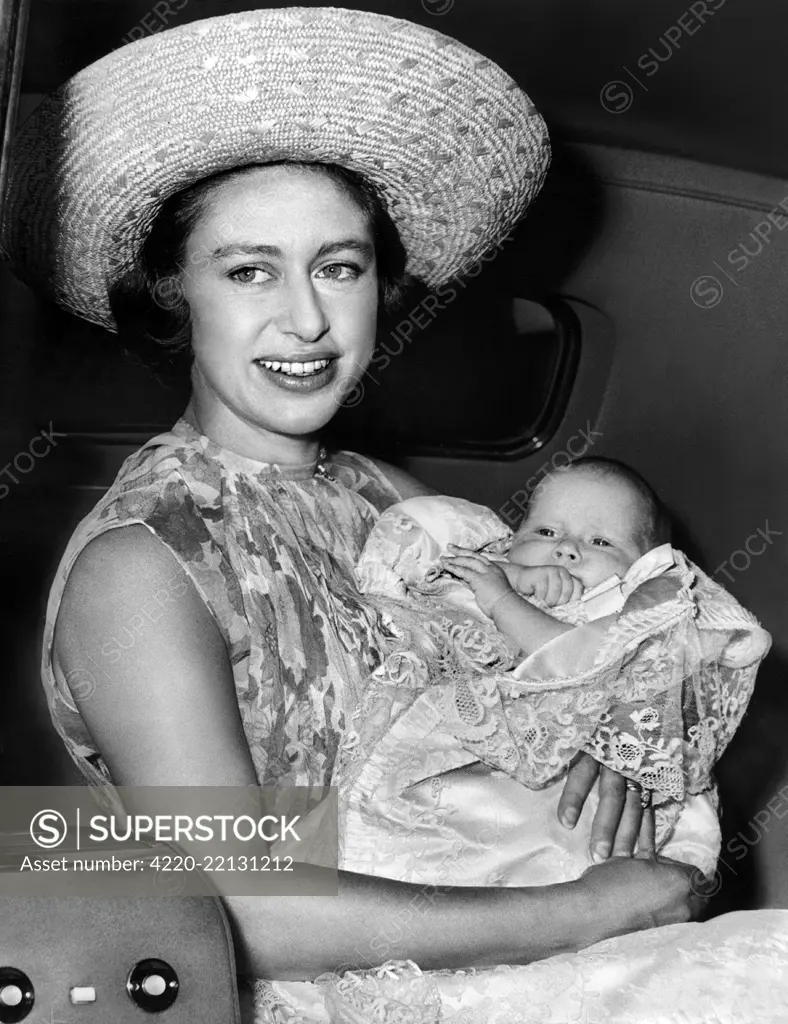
(165, 713)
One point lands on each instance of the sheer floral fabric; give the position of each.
(271, 550)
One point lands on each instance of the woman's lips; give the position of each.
(298, 375)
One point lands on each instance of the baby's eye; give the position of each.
(339, 272)
(600, 542)
(246, 275)
(544, 531)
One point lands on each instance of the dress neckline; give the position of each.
(287, 471)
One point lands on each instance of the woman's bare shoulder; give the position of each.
(114, 574)
(116, 552)
(163, 708)
(407, 485)
(125, 580)
(118, 576)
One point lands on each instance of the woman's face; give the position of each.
(281, 281)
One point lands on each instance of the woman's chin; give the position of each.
(304, 403)
(306, 422)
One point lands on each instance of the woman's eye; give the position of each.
(339, 272)
(246, 275)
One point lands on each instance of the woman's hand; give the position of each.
(618, 817)
(628, 894)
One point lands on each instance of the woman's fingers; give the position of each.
(612, 800)
(630, 824)
(579, 782)
(647, 846)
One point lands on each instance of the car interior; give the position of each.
(636, 313)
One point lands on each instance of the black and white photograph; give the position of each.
(393, 512)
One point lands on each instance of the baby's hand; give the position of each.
(487, 579)
(551, 584)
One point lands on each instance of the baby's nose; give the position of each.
(566, 551)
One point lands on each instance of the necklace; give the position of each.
(320, 468)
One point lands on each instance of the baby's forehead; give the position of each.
(578, 488)
(568, 481)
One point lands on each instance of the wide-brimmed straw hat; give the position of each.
(454, 147)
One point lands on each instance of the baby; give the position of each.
(453, 763)
(586, 527)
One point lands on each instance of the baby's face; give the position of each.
(585, 522)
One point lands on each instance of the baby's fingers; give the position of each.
(462, 566)
(566, 588)
(466, 560)
(459, 552)
(457, 570)
(554, 589)
(540, 587)
(571, 588)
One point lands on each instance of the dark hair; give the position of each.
(655, 526)
(148, 303)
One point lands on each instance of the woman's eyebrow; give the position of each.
(327, 249)
(243, 249)
(356, 244)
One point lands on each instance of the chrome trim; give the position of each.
(13, 29)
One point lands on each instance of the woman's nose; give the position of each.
(566, 551)
(302, 313)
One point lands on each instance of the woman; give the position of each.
(253, 204)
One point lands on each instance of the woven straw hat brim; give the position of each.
(452, 144)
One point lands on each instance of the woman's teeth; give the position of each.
(295, 369)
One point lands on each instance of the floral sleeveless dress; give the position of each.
(271, 550)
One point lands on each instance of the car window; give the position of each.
(486, 376)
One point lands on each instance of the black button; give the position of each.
(16, 995)
(153, 985)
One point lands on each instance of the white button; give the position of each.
(11, 995)
(82, 994)
(154, 985)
